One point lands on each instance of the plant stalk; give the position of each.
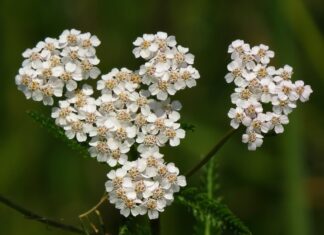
(155, 226)
(212, 152)
(33, 216)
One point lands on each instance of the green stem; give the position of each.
(212, 152)
(210, 173)
(155, 226)
(103, 199)
(33, 216)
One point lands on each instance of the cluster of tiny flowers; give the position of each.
(168, 68)
(57, 63)
(133, 110)
(145, 185)
(259, 85)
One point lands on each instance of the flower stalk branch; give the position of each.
(33, 216)
(93, 209)
(212, 152)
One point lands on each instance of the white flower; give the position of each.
(162, 89)
(253, 139)
(162, 63)
(145, 46)
(147, 141)
(303, 91)
(70, 54)
(238, 116)
(109, 151)
(89, 69)
(253, 108)
(173, 135)
(180, 57)
(235, 73)
(277, 121)
(106, 104)
(259, 124)
(153, 158)
(54, 87)
(88, 43)
(282, 106)
(165, 107)
(27, 81)
(148, 73)
(262, 71)
(108, 82)
(64, 114)
(286, 90)
(69, 38)
(33, 58)
(262, 53)
(153, 208)
(268, 89)
(34, 90)
(89, 114)
(164, 41)
(78, 129)
(70, 75)
(188, 77)
(49, 47)
(284, 73)
(238, 48)
(116, 179)
(128, 206)
(82, 97)
(172, 180)
(139, 100)
(242, 97)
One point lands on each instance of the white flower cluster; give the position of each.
(169, 67)
(57, 63)
(134, 110)
(259, 85)
(145, 185)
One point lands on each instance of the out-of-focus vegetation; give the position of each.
(279, 189)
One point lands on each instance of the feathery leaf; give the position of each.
(58, 132)
(202, 207)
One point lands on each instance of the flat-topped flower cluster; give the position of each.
(133, 110)
(145, 185)
(259, 85)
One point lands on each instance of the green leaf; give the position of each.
(212, 225)
(58, 132)
(203, 207)
(123, 230)
(133, 227)
(187, 126)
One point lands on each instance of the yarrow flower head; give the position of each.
(57, 63)
(258, 84)
(134, 108)
(145, 185)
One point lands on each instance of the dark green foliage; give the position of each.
(203, 207)
(187, 126)
(209, 184)
(58, 132)
(132, 227)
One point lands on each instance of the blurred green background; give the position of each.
(279, 189)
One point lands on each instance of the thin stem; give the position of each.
(33, 216)
(212, 152)
(101, 222)
(155, 226)
(102, 200)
